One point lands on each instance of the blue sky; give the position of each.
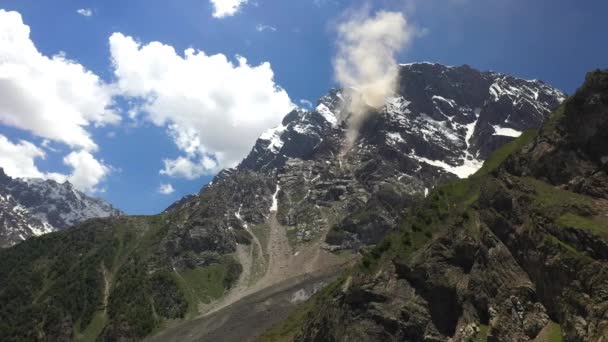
(556, 41)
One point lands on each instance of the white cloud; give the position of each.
(87, 172)
(18, 161)
(190, 167)
(214, 109)
(46, 144)
(87, 12)
(52, 97)
(166, 189)
(262, 28)
(226, 8)
(306, 104)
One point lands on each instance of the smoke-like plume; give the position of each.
(365, 64)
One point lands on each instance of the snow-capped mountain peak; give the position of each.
(446, 117)
(32, 207)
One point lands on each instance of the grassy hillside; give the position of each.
(107, 277)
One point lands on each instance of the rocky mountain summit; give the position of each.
(32, 207)
(297, 198)
(516, 252)
(442, 124)
(452, 116)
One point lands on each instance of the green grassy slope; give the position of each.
(105, 277)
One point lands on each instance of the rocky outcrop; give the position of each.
(517, 252)
(572, 150)
(440, 125)
(210, 225)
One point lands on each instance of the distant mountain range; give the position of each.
(32, 207)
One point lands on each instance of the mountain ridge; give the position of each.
(32, 207)
(487, 86)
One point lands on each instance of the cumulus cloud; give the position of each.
(19, 161)
(226, 8)
(365, 63)
(213, 109)
(87, 12)
(46, 144)
(166, 189)
(306, 104)
(87, 172)
(52, 97)
(189, 167)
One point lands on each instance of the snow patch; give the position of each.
(471, 128)
(238, 216)
(303, 129)
(418, 63)
(450, 102)
(435, 129)
(505, 131)
(470, 164)
(275, 202)
(499, 89)
(45, 229)
(327, 114)
(274, 135)
(394, 137)
(467, 168)
(397, 105)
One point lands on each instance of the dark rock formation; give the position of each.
(517, 252)
(441, 125)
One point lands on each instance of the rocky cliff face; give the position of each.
(32, 207)
(517, 252)
(441, 125)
